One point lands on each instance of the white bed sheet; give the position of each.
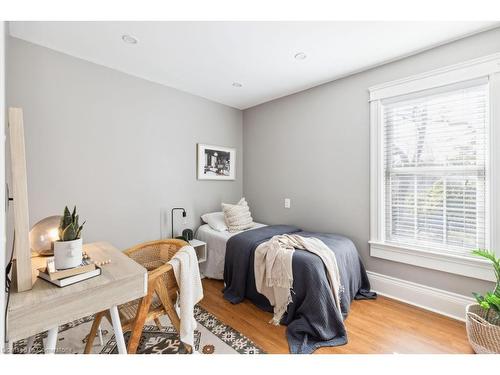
(213, 267)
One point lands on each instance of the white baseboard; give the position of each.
(432, 299)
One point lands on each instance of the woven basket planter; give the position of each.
(484, 337)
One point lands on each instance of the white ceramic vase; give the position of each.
(68, 254)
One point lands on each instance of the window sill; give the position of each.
(460, 265)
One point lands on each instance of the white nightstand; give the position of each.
(201, 249)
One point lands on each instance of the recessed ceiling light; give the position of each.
(237, 84)
(300, 56)
(129, 39)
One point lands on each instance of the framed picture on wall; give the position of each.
(216, 162)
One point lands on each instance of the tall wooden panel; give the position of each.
(22, 250)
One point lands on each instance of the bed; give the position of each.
(312, 319)
(213, 267)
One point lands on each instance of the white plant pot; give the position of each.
(68, 254)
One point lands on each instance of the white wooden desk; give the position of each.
(46, 306)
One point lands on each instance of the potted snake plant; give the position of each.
(68, 249)
(483, 317)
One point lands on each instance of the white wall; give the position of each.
(121, 148)
(313, 147)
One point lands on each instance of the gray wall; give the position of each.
(121, 148)
(313, 147)
(124, 149)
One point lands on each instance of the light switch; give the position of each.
(287, 202)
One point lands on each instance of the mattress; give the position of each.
(213, 267)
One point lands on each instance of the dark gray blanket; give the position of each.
(312, 319)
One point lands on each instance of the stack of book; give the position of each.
(69, 276)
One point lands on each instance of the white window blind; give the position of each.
(435, 151)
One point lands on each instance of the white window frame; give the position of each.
(487, 66)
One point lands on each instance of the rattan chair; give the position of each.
(160, 298)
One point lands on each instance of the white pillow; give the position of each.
(215, 220)
(237, 216)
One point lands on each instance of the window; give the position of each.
(432, 185)
(435, 168)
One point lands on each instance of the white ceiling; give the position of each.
(205, 58)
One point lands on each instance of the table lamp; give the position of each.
(184, 215)
(43, 234)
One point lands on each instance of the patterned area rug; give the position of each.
(211, 337)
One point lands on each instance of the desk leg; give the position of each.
(50, 345)
(99, 333)
(117, 327)
(10, 347)
(29, 344)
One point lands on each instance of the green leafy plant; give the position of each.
(491, 300)
(69, 229)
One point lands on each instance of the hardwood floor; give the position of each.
(374, 326)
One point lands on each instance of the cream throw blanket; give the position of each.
(187, 275)
(273, 269)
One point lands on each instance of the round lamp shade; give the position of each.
(43, 234)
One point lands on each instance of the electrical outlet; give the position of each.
(287, 202)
